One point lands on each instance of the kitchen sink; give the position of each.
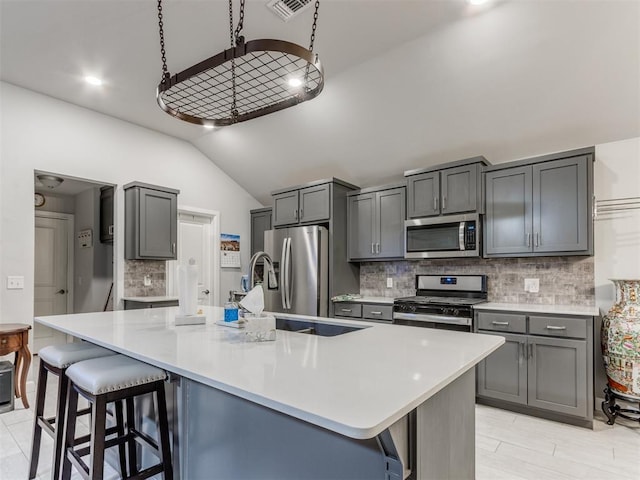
(314, 328)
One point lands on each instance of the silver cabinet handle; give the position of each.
(553, 327)
(173, 248)
(110, 229)
(537, 239)
(206, 292)
(348, 310)
(377, 248)
(531, 350)
(521, 348)
(502, 324)
(62, 291)
(528, 239)
(372, 249)
(295, 214)
(435, 203)
(301, 214)
(444, 203)
(376, 313)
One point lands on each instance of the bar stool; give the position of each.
(56, 359)
(115, 379)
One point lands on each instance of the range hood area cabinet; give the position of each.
(455, 187)
(309, 204)
(540, 206)
(151, 222)
(375, 219)
(260, 223)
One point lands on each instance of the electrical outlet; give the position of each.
(147, 281)
(532, 285)
(389, 282)
(15, 283)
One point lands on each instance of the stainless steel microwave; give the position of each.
(443, 237)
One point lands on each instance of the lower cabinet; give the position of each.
(547, 372)
(137, 304)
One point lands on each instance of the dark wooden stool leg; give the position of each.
(69, 429)
(37, 429)
(122, 451)
(163, 430)
(133, 456)
(98, 432)
(58, 441)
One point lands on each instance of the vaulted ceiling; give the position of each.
(409, 83)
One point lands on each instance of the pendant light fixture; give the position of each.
(245, 81)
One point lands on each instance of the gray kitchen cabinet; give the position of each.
(457, 189)
(503, 374)
(365, 311)
(302, 206)
(140, 304)
(558, 375)
(151, 222)
(260, 222)
(375, 224)
(540, 209)
(106, 214)
(539, 369)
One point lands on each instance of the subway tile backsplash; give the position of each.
(134, 273)
(563, 280)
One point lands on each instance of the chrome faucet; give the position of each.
(271, 280)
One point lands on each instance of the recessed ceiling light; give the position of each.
(295, 82)
(91, 80)
(477, 2)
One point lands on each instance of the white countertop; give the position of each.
(381, 300)
(150, 299)
(356, 384)
(551, 309)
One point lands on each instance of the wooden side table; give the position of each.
(14, 337)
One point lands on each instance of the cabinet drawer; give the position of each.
(502, 322)
(345, 309)
(377, 312)
(574, 327)
(10, 343)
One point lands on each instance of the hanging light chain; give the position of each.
(234, 108)
(239, 39)
(313, 39)
(165, 70)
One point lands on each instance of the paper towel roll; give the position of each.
(188, 288)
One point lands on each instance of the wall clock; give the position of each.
(38, 199)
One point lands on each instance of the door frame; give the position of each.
(214, 238)
(70, 218)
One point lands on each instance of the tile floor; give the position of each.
(508, 446)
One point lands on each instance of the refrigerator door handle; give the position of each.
(283, 277)
(288, 274)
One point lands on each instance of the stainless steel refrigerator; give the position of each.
(300, 259)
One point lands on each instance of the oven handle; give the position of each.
(421, 317)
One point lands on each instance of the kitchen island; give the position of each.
(382, 401)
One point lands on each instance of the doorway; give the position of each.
(73, 260)
(198, 238)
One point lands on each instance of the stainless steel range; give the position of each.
(442, 301)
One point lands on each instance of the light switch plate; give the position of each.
(532, 285)
(15, 283)
(147, 281)
(389, 282)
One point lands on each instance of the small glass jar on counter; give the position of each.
(230, 312)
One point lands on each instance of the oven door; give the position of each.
(442, 237)
(443, 322)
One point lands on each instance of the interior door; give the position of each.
(51, 283)
(195, 241)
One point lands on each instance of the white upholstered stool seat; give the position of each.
(102, 375)
(55, 359)
(63, 356)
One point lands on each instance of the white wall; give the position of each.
(617, 235)
(41, 133)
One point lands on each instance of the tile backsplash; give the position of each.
(563, 280)
(136, 270)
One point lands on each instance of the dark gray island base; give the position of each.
(226, 437)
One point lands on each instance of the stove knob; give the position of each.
(412, 308)
(455, 312)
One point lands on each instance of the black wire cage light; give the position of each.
(247, 80)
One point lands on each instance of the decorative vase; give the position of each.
(621, 340)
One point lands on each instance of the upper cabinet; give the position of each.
(106, 214)
(260, 222)
(541, 208)
(375, 220)
(456, 189)
(151, 222)
(305, 204)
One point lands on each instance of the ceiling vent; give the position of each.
(287, 9)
